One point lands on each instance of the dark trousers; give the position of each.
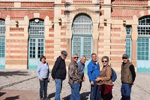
(43, 86)
(81, 82)
(95, 94)
(107, 96)
(126, 91)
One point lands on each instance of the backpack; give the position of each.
(114, 75)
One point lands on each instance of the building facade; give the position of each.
(32, 28)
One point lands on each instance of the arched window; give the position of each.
(82, 42)
(143, 44)
(36, 42)
(2, 43)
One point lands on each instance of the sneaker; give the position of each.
(41, 99)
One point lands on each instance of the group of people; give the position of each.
(100, 80)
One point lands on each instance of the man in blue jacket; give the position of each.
(93, 73)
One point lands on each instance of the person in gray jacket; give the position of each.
(74, 78)
(44, 77)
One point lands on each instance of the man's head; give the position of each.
(125, 58)
(75, 58)
(83, 60)
(94, 57)
(63, 54)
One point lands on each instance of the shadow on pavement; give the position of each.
(2, 93)
(67, 97)
(12, 98)
(15, 83)
(11, 73)
(51, 95)
(83, 96)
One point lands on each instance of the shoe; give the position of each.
(47, 99)
(41, 99)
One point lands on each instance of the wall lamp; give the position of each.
(52, 24)
(105, 21)
(17, 23)
(60, 21)
(124, 22)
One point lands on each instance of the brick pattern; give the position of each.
(49, 49)
(130, 2)
(123, 13)
(37, 4)
(63, 1)
(82, 1)
(20, 14)
(6, 4)
(16, 29)
(101, 1)
(16, 49)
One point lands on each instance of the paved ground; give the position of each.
(24, 85)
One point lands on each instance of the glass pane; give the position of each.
(143, 49)
(82, 25)
(36, 27)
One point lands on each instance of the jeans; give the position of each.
(95, 94)
(43, 86)
(126, 91)
(58, 83)
(75, 94)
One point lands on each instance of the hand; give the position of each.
(42, 79)
(52, 79)
(48, 79)
(83, 78)
(98, 79)
(92, 83)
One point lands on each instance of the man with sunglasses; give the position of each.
(59, 73)
(74, 78)
(127, 77)
(93, 73)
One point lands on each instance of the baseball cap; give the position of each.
(64, 52)
(125, 56)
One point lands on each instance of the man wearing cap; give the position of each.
(59, 73)
(127, 77)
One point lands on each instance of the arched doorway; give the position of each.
(2, 44)
(143, 44)
(82, 42)
(36, 42)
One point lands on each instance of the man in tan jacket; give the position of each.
(127, 77)
(74, 78)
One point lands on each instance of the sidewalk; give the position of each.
(24, 85)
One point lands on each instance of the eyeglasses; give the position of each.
(124, 58)
(75, 57)
(104, 61)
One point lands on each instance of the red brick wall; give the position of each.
(82, 1)
(130, 2)
(37, 4)
(6, 4)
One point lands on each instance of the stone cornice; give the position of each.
(82, 10)
(76, 4)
